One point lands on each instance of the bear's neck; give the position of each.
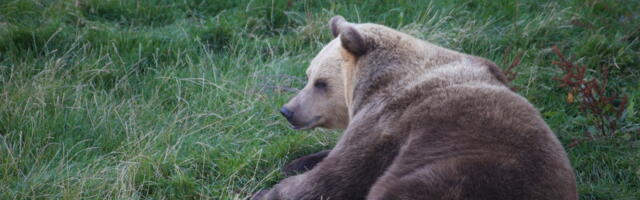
(375, 80)
(384, 82)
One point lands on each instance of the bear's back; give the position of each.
(498, 130)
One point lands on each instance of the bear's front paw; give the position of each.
(304, 163)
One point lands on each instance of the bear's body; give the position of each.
(430, 123)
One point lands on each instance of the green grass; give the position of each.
(164, 99)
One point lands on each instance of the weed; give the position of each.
(510, 72)
(602, 106)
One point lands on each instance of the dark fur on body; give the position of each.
(431, 123)
(304, 163)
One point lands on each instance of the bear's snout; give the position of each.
(286, 113)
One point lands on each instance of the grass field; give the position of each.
(161, 99)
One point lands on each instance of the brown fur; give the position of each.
(304, 163)
(430, 123)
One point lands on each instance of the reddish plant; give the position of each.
(605, 108)
(509, 73)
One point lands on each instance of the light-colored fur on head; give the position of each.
(321, 103)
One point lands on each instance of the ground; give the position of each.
(159, 99)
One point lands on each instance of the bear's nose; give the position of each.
(286, 112)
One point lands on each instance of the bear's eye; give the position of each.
(320, 84)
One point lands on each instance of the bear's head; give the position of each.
(321, 103)
(377, 62)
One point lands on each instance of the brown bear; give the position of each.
(427, 122)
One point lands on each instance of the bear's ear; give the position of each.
(351, 39)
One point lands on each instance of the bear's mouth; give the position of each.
(309, 125)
